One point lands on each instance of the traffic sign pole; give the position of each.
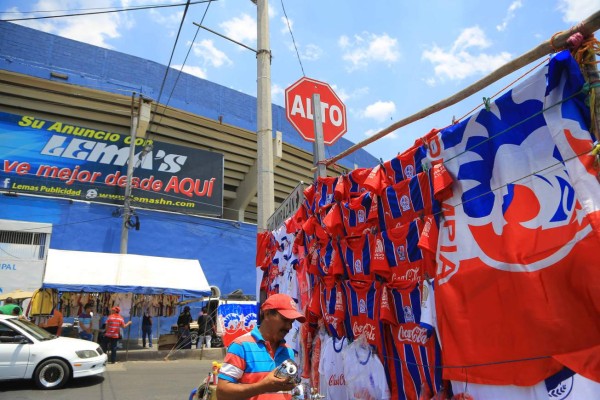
(318, 144)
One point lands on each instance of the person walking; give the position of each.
(184, 320)
(206, 328)
(114, 323)
(146, 329)
(248, 370)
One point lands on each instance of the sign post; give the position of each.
(318, 145)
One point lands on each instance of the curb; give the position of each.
(213, 354)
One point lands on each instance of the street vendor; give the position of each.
(248, 370)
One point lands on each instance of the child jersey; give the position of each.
(324, 193)
(351, 184)
(397, 255)
(328, 261)
(364, 305)
(403, 166)
(331, 369)
(409, 199)
(356, 255)
(352, 217)
(328, 303)
(413, 354)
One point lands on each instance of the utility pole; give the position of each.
(266, 184)
(140, 117)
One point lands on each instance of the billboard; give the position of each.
(55, 158)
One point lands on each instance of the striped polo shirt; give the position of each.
(248, 360)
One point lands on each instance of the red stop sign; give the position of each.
(298, 110)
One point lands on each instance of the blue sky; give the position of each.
(386, 59)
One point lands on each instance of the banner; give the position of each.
(236, 319)
(518, 272)
(54, 158)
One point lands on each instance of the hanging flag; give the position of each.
(518, 268)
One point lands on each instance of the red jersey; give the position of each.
(328, 303)
(403, 166)
(356, 254)
(114, 323)
(352, 217)
(351, 184)
(415, 197)
(412, 354)
(364, 305)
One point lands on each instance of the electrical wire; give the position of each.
(176, 80)
(105, 12)
(287, 20)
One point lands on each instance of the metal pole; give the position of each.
(318, 144)
(130, 162)
(266, 185)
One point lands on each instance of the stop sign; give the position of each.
(298, 110)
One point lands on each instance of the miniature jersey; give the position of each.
(364, 305)
(352, 217)
(404, 166)
(356, 254)
(328, 303)
(364, 373)
(331, 369)
(351, 184)
(412, 354)
(410, 199)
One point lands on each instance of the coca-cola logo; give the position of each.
(416, 335)
(337, 380)
(367, 329)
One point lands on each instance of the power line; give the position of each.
(287, 20)
(107, 12)
(178, 75)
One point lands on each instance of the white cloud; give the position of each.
(276, 93)
(92, 29)
(345, 96)
(364, 49)
(285, 29)
(188, 69)
(272, 11)
(463, 59)
(380, 111)
(241, 29)
(207, 51)
(371, 132)
(311, 52)
(577, 10)
(510, 14)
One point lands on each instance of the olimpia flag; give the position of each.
(518, 260)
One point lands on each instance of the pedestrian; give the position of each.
(248, 370)
(9, 306)
(54, 324)
(85, 323)
(206, 328)
(114, 323)
(184, 320)
(147, 328)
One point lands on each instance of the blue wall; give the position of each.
(35, 53)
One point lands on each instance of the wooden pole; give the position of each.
(587, 27)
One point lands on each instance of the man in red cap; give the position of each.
(248, 371)
(114, 323)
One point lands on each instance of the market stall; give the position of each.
(131, 281)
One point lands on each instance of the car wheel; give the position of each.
(51, 374)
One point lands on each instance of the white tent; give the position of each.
(75, 271)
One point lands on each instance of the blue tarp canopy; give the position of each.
(82, 271)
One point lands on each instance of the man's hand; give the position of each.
(275, 384)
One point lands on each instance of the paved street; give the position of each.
(132, 380)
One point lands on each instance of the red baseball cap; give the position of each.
(285, 305)
(116, 309)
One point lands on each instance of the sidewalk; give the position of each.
(133, 351)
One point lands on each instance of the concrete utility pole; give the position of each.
(139, 125)
(266, 183)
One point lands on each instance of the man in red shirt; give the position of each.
(114, 323)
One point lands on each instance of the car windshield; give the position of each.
(32, 329)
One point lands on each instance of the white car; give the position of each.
(29, 352)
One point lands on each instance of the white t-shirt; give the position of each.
(364, 373)
(331, 368)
